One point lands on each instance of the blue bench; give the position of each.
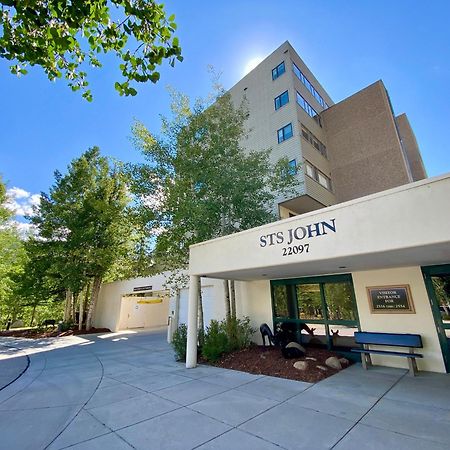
(411, 341)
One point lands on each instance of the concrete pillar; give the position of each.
(191, 352)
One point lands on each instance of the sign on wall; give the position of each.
(294, 240)
(149, 301)
(142, 288)
(390, 299)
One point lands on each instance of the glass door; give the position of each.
(437, 281)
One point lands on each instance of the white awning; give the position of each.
(404, 226)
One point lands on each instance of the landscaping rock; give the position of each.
(296, 345)
(344, 361)
(301, 365)
(311, 358)
(293, 350)
(322, 368)
(334, 363)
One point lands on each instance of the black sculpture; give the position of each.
(266, 331)
(285, 338)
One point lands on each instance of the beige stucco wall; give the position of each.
(421, 322)
(108, 311)
(212, 298)
(253, 299)
(364, 147)
(411, 148)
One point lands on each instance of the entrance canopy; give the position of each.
(400, 227)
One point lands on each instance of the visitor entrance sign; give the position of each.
(390, 299)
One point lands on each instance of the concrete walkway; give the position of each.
(123, 391)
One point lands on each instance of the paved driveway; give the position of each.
(126, 391)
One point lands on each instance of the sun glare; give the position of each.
(252, 64)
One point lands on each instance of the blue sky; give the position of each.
(348, 45)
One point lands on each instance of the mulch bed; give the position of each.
(269, 361)
(51, 332)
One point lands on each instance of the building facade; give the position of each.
(339, 151)
(365, 245)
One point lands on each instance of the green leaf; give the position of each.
(51, 33)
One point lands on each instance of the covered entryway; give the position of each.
(381, 241)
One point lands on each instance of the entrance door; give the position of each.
(136, 314)
(437, 281)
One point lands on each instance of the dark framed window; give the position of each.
(314, 173)
(281, 100)
(308, 108)
(284, 133)
(316, 143)
(292, 167)
(300, 75)
(278, 71)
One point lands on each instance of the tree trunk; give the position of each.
(83, 302)
(32, 315)
(73, 310)
(227, 299)
(93, 303)
(81, 313)
(176, 316)
(201, 323)
(68, 305)
(233, 299)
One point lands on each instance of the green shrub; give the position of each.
(215, 341)
(239, 333)
(179, 342)
(65, 326)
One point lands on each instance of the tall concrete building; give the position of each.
(339, 151)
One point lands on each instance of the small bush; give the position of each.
(239, 333)
(215, 342)
(179, 342)
(226, 336)
(65, 326)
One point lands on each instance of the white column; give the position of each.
(191, 352)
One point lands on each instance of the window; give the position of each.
(317, 175)
(292, 167)
(278, 71)
(280, 301)
(308, 108)
(310, 170)
(339, 300)
(281, 100)
(309, 86)
(284, 133)
(323, 180)
(314, 141)
(309, 301)
(321, 309)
